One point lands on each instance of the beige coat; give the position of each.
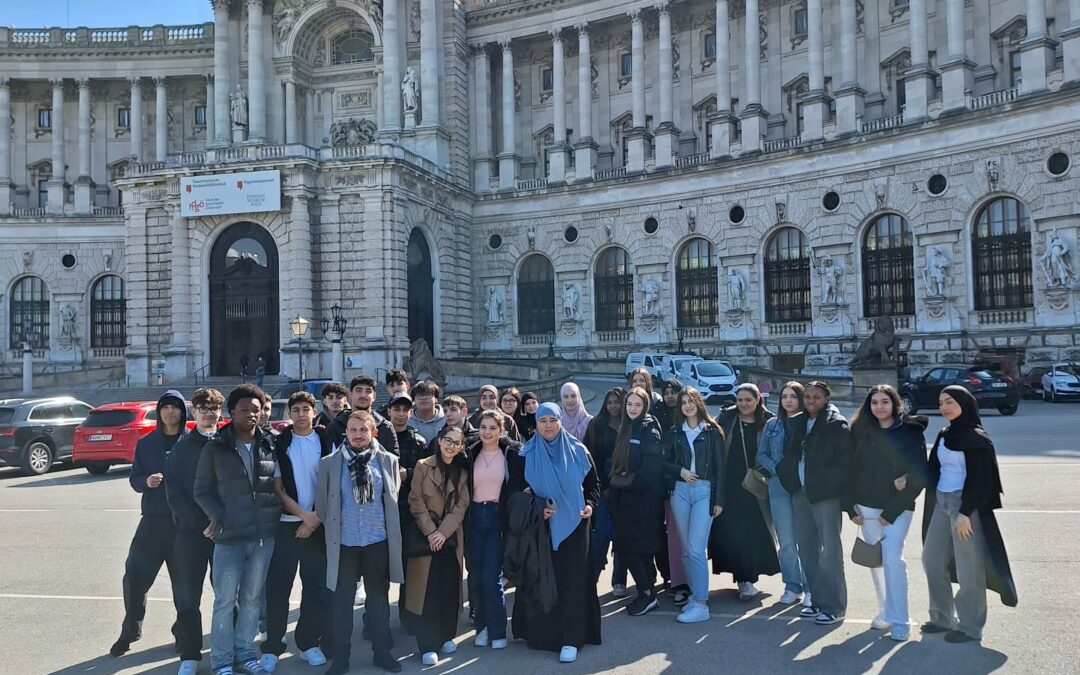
(426, 503)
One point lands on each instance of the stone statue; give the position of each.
(238, 107)
(422, 364)
(936, 273)
(570, 302)
(494, 306)
(832, 280)
(736, 288)
(880, 347)
(352, 132)
(67, 313)
(284, 21)
(410, 90)
(1055, 261)
(651, 290)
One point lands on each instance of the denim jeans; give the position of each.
(485, 561)
(817, 529)
(783, 517)
(239, 576)
(890, 580)
(693, 518)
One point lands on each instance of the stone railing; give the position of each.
(106, 352)
(994, 98)
(108, 210)
(134, 36)
(539, 339)
(608, 174)
(614, 336)
(532, 184)
(32, 212)
(793, 328)
(900, 323)
(696, 159)
(1003, 317)
(782, 144)
(703, 333)
(890, 122)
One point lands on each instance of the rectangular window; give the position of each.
(1014, 69)
(800, 123)
(900, 3)
(123, 118)
(801, 22)
(901, 94)
(44, 118)
(626, 65)
(200, 116)
(547, 79)
(43, 192)
(710, 45)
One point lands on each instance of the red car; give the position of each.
(110, 432)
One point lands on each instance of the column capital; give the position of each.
(56, 82)
(254, 4)
(159, 82)
(556, 34)
(82, 82)
(635, 15)
(221, 4)
(478, 48)
(135, 82)
(582, 28)
(662, 6)
(5, 82)
(506, 44)
(209, 77)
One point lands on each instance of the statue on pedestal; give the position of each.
(238, 107)
(494, 307)
(651, 291)
(832, 280)
(936, 273)
(736, 288)
(410, 90)
(570, 302)
(1055, 261)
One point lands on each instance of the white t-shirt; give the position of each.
(691, 435)
(304, 452)
(953, 469)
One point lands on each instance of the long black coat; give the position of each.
(637, 512)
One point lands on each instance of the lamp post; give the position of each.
(299, 327)
(340, 323)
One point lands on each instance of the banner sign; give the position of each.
(226, 193)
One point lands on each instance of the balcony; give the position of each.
(536, 340)
(1003, 317)
(133, 36)
(993, 99)
(610, 174)
(108, 210)
(696, 159)
(782, 144)
(900, 323)
(107, 352)
(701, 333)
(890, 122)
(614, 337)
(790, 329)
(532, 183)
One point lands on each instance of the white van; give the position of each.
(650, 361)
(714, 379)
(673, 363)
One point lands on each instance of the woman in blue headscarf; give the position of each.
(559, 469)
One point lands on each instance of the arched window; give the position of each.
(888, 268)
(1001, 255)
(787, 277)
(695, 285)
(613, 280)
(352, 46)
(536, 296)
(108, 315)
(29, 315)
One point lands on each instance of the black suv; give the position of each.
(991, 390)
(36, 432)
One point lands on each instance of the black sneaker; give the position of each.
(681, 596)
(826, 619)
(643, 604)
(958, 637)
(337, 668)
(387, 662)
(120, 647)
(930, 628)
(809, 612)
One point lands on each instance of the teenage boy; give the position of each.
(299, 540)
(411, 444)
(335, 398)
(456, 413)
(194, 548)
(427, 415)
(154, 537)
(361, 396)
(234, 485)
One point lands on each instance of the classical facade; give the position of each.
(758, 179)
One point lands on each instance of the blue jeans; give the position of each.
(693, 517)
(783, 517)
(239, 574)
(485, 561)
(601, 542)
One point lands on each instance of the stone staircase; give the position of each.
(96, 396)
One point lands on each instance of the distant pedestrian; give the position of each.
(245, 362)
(260, 370)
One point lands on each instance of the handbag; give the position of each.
(754, 481)
(867, 555)
(622, 481)
(415, 544)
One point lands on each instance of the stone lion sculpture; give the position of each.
(422, 364)
(880, 347)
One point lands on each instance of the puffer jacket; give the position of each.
(241, 510)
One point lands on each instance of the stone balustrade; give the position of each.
(133, 36)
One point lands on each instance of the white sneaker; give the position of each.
(430, 658)
(361, 596)
(790, 598)
(188, 668)
(747, 591)
(498, 644)
(448, 647)
(269, 662)
(568, 654)
(260, 636)
(619, 590)
(481, 639)
(314, 656)
(806, 601)
(880, 624)
(695, 612)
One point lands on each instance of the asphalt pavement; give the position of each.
(65, 537)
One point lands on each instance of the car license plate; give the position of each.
(993, 394)
(100, 437)
(999, 385)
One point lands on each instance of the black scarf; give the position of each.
(965, 431)
(359, 463)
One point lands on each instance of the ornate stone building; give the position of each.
(760, 179)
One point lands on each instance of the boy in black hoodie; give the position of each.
(194, 548)
(361, 396)
(152, 544)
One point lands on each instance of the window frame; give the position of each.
(1002, 266)
(613, 283)
(697, 285)
(888, 267)
(535, 281)
(787, 277)
(33, 305)
(108, 314)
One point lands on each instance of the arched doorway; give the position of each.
(243, 300)
(421, 290)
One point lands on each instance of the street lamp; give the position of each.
(299, 327)
(338, 326)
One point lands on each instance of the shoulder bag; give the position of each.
(867, 555)
(754, 481)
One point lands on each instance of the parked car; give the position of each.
(671, 364)
(35, 433)
(110, 433)
(1061, 381)
(650, 361)
(279, 413)
(312, 386)
(990, 390)
(1031, 381)
(714, 379)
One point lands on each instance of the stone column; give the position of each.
(211, 117)
(667, 136)
(508, 158)
(585, 147)
(429, 63)
(753, 115)
(1070, 45)
(957, 72)
(309, 119)
(135, 117)
(222, 88)
(481, 161)
(558, 150)
(849, 96)
(161, 121)
(919, 79)
(391, 67)
(328, 116)
(178, 361)
(56, 182)
(635, 156)
(1036, 51)
(723, 120)
(84, 186)
(299, 264)
(290, 112)
(815, 106)
(5, 146)
(256, 73)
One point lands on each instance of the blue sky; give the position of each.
(102, 13)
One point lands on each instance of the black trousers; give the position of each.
(641, 568)
(313, 626)
(192, 553)
(151, 546)
(442, 602)
(372, 564)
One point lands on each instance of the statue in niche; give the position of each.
(651, 291)
(238, 107)
(410, 90)
(494, 307)
(67, 313)
(1055, 261)
(736, 288)
(936, 273)
(571, 299)
(284, 20)
(832, 280)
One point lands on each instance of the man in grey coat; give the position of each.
(356, 499)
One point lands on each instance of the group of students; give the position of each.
(535, 494)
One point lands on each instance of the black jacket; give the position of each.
(637, 512)
(241, 510)
(527, 560)
(383, 429)
(180, 471)
(151, 452)
(880, 456)
(708, 456)
(413, 448)
(281, 453)
(600, 440)
(827, 451)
